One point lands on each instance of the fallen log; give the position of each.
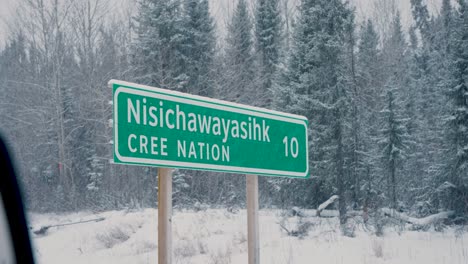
(43, 229)
(425, 221)
(326, 204)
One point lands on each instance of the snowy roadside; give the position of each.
(217, 236)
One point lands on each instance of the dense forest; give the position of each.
(387, 104)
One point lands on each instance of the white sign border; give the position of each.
(158, 93)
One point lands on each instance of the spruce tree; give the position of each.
(395, 140)
(432, 77)
(421, 17)
(268, 43)
(239, 74)
(199, 47)
(416, 162)
(458, 118)
(158, 53)
(315, 85)
(369, 82)
(446, 14)
(368, 60)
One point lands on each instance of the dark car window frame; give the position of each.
(13, 203)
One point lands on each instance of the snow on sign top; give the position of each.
(157, 127)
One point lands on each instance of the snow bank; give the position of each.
(216, 236)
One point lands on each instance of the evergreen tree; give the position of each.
(431, 77)
(395, 139)
(180, 196)
(315, 85)
(268, 42)
(239, 73)
(421, 17)
(158, 49)
(198, 50)
(369, 81)
(368, 61)
(447, 21)
(355, 165)
(416, 161)
(394, 48)
(199, 47)
(458, 119)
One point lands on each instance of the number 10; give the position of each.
(293, 147)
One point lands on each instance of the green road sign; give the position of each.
(158, 127)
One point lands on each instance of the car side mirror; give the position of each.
(15, 245)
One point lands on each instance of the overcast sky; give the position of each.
(5, 11)
(363, 8)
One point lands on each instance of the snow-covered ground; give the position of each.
(217, 236)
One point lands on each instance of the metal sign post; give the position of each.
(164, 215)
(252, 219)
